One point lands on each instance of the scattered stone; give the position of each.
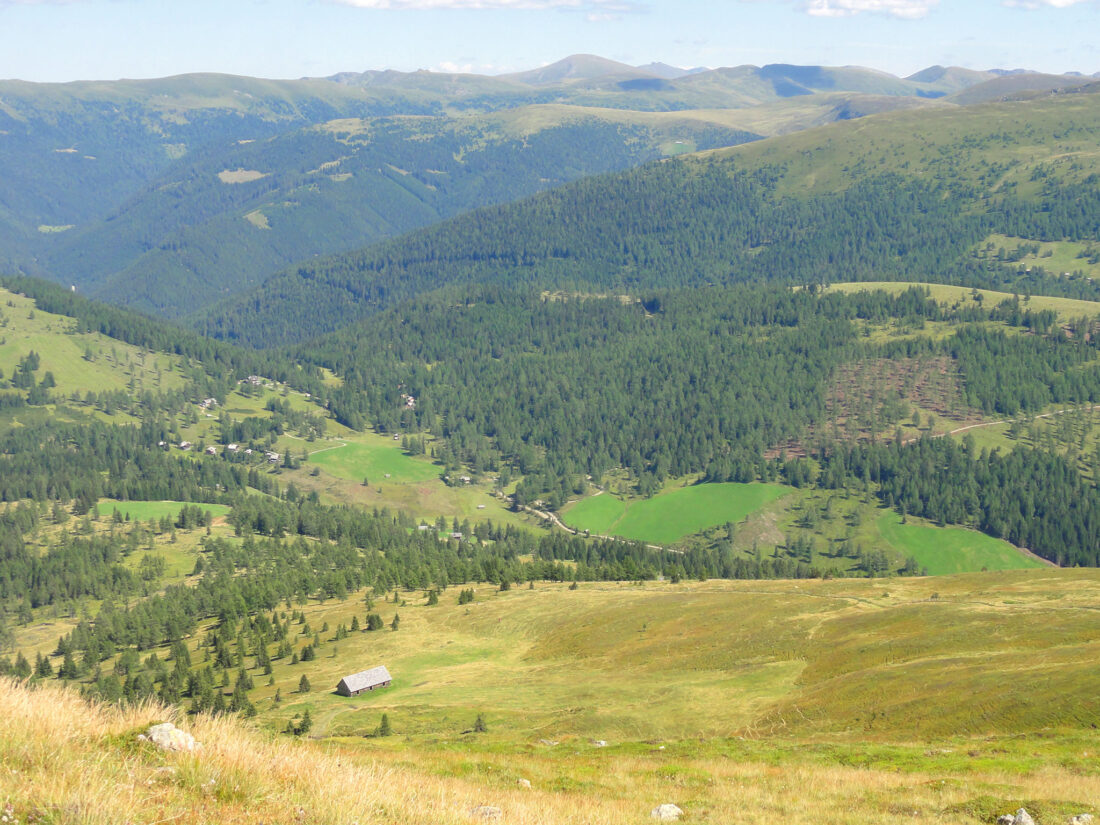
(526, 783)
(1006, 819)
(1081, 819)
(489, 813)
(548, 742)
(600, 743)
(1022, 817)
(170, 738)
(666, 812)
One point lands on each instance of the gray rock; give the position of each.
(1022, 818)
(489, 813)
(600, 743)
(1006, 819)
(1081, 819)
(168, 737)
(666, 812)
(524, 783)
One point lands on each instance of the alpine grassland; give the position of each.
(952, 549)
(377, 459)
(744, 701)
(674, 513)
(145, 510)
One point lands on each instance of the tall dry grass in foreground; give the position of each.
(63, 760)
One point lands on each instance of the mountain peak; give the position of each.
(577, 67)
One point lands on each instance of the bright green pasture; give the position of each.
(145, 510)
(673, 514)
(372, 457)
(945, 550)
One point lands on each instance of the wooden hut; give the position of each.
(364, 680)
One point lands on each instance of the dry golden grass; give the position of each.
(65, 761)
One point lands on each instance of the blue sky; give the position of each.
(58, 40)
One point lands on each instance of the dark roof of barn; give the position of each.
(366, 678)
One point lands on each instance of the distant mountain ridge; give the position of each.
(170, 193)
(906, 192)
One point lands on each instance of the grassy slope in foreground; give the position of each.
(944, 550)
(70, 762)
(673, 514)
(768, 701)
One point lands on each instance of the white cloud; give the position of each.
(1039, 4)
(591, 6)
(470, 67)
(907, 9)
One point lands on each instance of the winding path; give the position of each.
(1002, 421)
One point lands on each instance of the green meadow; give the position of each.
(672, 514)
(80, 362)
(945, 550)
(145, 510)
(376, 458)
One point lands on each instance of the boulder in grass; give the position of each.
(170, 738)
(487, 813)
(1081, 819)
(666, 812)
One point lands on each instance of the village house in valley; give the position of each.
(376, 677)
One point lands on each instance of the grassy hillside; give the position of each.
(733, 701)
(978, 151)
(673, 514)
(728, 658)
(944, 550)
(80, 361)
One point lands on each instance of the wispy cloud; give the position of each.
(906, 9)
(595, 8)
(1043, 4)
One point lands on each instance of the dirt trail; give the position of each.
(1002, 421)
(557, 522)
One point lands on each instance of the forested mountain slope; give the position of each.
(194, 187)
(223, 222)
(906, 195)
